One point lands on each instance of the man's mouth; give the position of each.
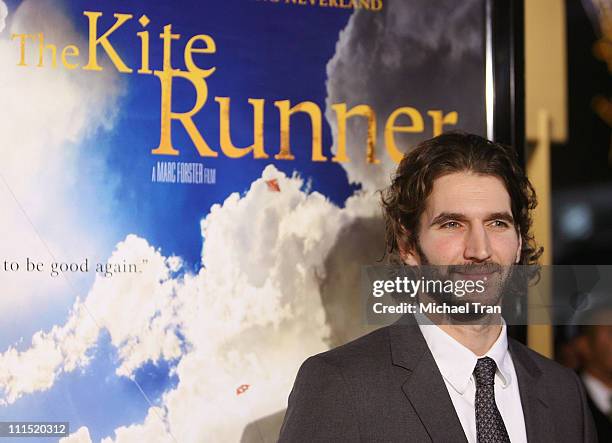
(475, 271)
(475, 275)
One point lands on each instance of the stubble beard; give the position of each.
(494, 291)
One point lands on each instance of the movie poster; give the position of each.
(188, 191)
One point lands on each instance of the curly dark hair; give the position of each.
(404, 200)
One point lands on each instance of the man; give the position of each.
(595, 349)
(456, 200)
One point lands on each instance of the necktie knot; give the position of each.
(484, 372)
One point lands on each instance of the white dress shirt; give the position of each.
(456, 364)
(599, 392)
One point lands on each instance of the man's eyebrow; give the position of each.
(444, 217)
(505, 216)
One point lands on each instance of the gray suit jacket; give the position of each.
(386, 387)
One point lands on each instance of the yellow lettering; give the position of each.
(315, 119)
(390, 129)
(22, 46)
(144, 46)
(41, 49)
(227, 146)
(376, 5)
(167, 37)
(209, 48)
(342, 116)
(94, 41)
(439, 120)
(186, 118)
(70, 51)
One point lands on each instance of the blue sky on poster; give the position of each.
(127, 202)
(169, 316)
(244, 69)
(111, 162)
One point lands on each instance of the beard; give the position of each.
(494, 277)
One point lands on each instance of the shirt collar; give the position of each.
(456, 362)
(598, 391)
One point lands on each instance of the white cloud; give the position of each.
(48, 114)
(256, 310)
(3, 14)
(152, 430)
(253, 313)
(279, 274)
(80, 436)
(136, 309)
(421, 54)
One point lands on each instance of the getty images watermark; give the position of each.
(450, 288)
(519, 294)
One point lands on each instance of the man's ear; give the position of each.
(519, 250)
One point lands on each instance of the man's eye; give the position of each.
(499, 224)
(451, 225)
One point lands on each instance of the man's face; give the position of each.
(596, 346)
(467, 221)
(601, 348)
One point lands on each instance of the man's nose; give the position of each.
(477, 246)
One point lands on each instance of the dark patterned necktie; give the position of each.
(490, 426)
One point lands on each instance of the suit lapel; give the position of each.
(423, 385)
(538, 421)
